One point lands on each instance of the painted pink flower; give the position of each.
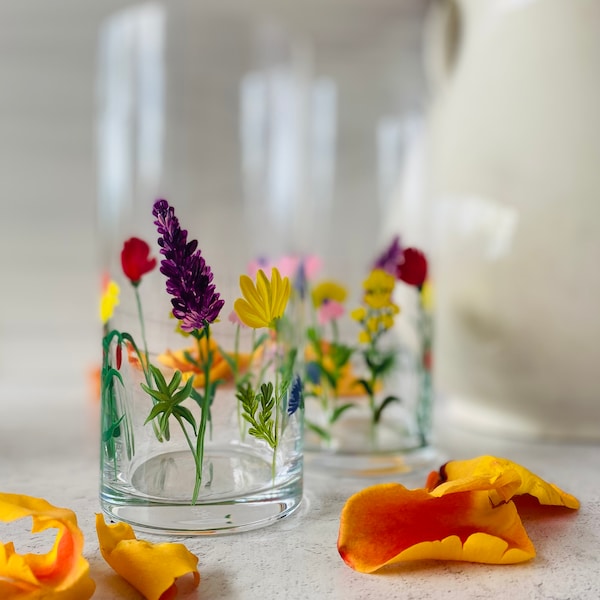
(329, 310)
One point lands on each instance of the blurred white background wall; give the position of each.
(48, 267)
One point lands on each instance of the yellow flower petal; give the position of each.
(387, 523)
(427, 298)
(328, 290)
(379, 282)
(285, 290)
(359, 314)
(263, 302)
(60, 574)
(503, 476)
(108, 301)
(263, 287)
(252, 296)
(151, 568)
(247, 314)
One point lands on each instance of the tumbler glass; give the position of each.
(202, 405)
(369, 388)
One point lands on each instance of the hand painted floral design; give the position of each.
(388, 260)
(468, 512)
(263, 302)
(262, 403)
(189, 279)
(109, 300)
(135, 259)
(412, 267)
(180, 386)
(328, 298)
(340, 372)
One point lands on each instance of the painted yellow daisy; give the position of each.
(264, 302)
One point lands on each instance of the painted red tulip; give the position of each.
(412, 267)
(135, 259)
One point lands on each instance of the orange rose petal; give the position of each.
(150, 568)
(60, 574)
(387, 523)
(506, 477)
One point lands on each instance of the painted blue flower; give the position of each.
(295, 398)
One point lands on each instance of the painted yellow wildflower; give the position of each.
(62, 573)
(359, 314)
(427, 296)
(378, 282)
(109, 300)
(378, 287)
(377, 314)
(150, 568)
(328, 290)
(264, 302)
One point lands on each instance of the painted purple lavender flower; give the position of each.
(189, 278)
(388, 260)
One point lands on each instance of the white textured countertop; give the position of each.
(48, 441)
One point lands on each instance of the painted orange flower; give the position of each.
(466, 513)
(62, 573)
(150, 568)
(188, 362)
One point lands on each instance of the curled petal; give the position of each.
(62, 573)
(151, 568)
(387, 523)
(503, 476)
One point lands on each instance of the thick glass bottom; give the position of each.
(399, 464)
(237, 493)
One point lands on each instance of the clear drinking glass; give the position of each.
(369, 330)
(202, 409)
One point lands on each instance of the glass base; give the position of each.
(411, 463)
(237, 494)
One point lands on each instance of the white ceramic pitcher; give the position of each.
(515, 182)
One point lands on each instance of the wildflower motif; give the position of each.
(180, 389)
(377, 314)
(109, 300)
(378, 287)
(262, 304)
(135, 259)
(389, 259)
(295, 395)
(189, 279)
(327, 291)
(412, 267)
